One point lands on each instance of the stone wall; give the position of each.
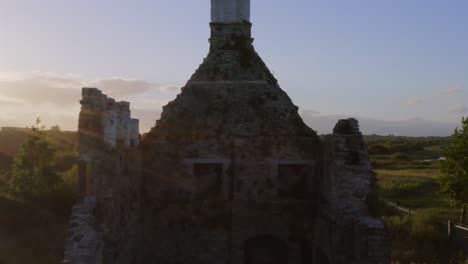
(353, 234)
(229, 174)
(105, 119)
(110, 183)
(105, 126)
(247, 183)
(84, 241)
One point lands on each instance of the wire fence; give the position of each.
(458, 233)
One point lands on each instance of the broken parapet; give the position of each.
(84, 243)
(349, 187)
(109, 165)
(102, 118)
(347, 127)
(103, 124)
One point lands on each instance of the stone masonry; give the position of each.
(229, 174)
(109, 179)
(84, 243)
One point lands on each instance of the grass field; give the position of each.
(420, 238)
(407, 171)
(414, 188)
(413, 183)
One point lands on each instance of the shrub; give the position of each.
(399, 227)
(454, 180)
(427, 225)
(32, 172)
(64, 160)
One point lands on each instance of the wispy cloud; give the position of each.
(9, 100)
(120, 87)
(414, 101)
(63, 90)
(310, 112)
(450, 91)
(169, 88)
(38, 89)
(457, 108)
(55, 97)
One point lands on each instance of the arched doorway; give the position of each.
(266, 250)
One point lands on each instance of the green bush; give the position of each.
(454, 180)
(428, 225)
(64, 160)
(40, 171)
(399, 227)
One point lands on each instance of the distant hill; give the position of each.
(11, 139)
(412, 127)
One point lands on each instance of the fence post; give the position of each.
(462, 215)
(409, 212)
(396, 209)
(449, 228)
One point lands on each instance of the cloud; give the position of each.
(119, 87)
(449, 92)
(457, 108)
(10, 101)
(414, 101)
(65, 89)
(169, 89)
(309, 112)
(55, 97)
(39, 89)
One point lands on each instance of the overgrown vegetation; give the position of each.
(38, 181)
(454, 168)
(391, 152)
(421, 238)
(408, 173)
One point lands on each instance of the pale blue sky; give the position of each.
(384, 59)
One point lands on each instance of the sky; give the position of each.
(389, 61)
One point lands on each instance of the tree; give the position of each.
(454, 168)
(32, 172)
(64, 160)
(55, 128)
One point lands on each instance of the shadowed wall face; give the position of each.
(266, 250)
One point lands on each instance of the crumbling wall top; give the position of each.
(114, 119)
(347, 127)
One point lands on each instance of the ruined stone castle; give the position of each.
(230, 174)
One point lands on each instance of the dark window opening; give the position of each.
(209, 179)
(292, 180)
